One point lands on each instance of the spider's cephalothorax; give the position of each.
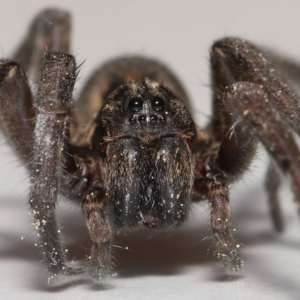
(143, 133)
(129, 152)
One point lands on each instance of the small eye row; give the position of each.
(142, 119)
(136, 104)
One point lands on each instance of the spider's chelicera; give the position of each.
(128, 150)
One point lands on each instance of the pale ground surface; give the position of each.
(158, 265)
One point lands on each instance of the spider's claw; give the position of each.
(73, 268)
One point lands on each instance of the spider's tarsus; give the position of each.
(99, 265)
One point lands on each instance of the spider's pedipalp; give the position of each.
(100, 262)
(227, 247)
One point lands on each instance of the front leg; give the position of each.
(53, 105)
(251, 102)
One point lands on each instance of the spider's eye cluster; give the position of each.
(135, 104)
(158, 104)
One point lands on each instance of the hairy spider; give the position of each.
(128, 150)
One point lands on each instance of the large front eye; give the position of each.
(158, 104)
(135, 104)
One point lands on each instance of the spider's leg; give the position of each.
(211, 183)
(49, 31)
(100, 261)
(235, 60)
(53, 105)
(16, 108)
(250, 102)
(272, 184)
(226, 246)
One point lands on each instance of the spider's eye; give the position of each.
(158, 104)
(135, 104)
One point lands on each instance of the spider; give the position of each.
(128, 150)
